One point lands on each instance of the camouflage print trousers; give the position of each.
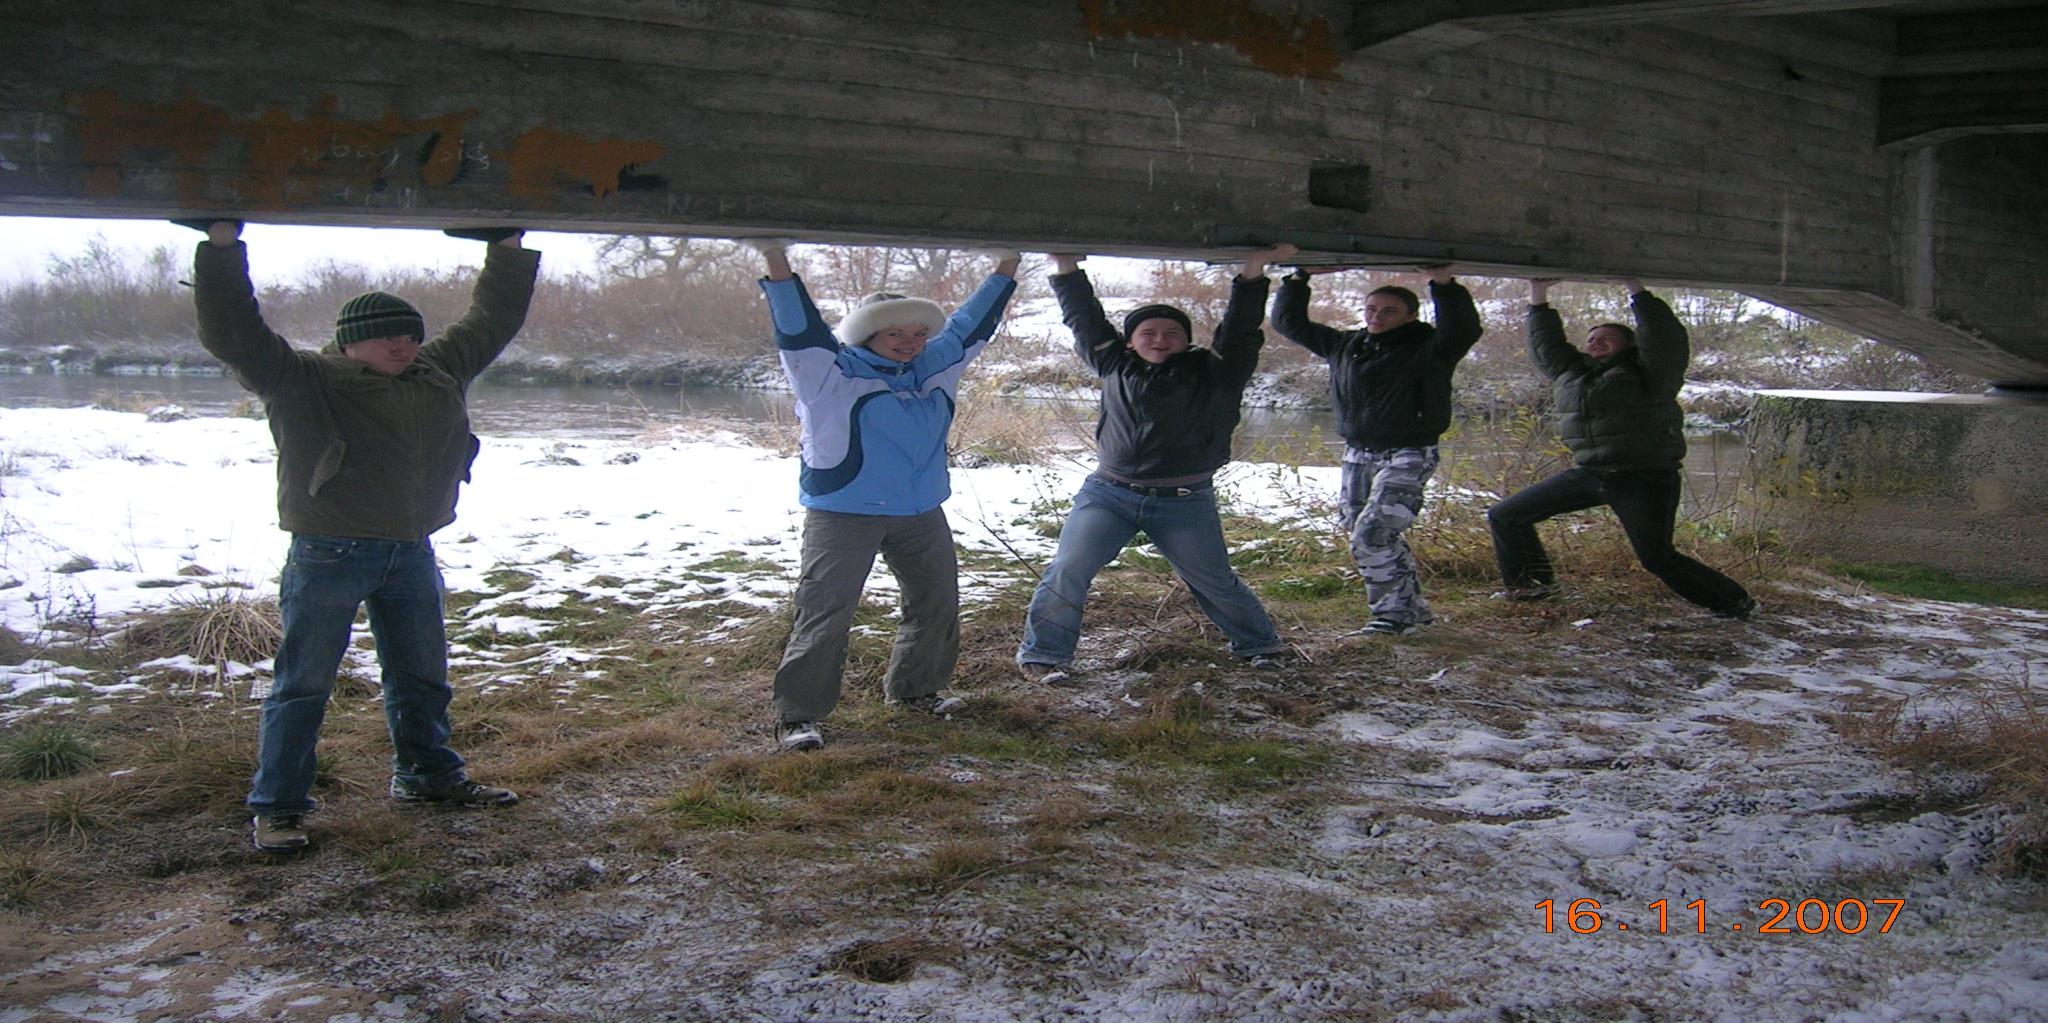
(1381, 494)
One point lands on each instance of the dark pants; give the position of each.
(1646, 502)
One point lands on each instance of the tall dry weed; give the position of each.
(219, 628)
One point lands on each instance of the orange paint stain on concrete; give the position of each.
(273, 160)
(543, 161)
(183, 135)
(293, 157)
(1288, 44)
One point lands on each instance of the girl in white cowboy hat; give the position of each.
(876, 402)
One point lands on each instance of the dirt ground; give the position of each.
(1369, 834)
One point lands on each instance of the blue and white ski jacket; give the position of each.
(874, 430)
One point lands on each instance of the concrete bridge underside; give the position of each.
(1880, 166)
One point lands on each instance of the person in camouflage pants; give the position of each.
(1380, 496)
(1391, 385)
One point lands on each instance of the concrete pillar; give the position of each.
(1957, 482)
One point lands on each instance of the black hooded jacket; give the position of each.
(1172, 420)
(1391, 390)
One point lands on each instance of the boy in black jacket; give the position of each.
(1391, 384)
(1168, 411)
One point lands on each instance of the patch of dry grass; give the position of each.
(217, 628)
(35, 877)
(884, 961)
(542, 753)
(1995, 731)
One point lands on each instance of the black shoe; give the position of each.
(1386, 627)
(462, 793)
(279, 833)
(1739, 612)
(1268, 662)
(1537, 591)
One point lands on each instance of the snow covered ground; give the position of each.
(1651, 756)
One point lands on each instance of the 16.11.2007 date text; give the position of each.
(1782, 916)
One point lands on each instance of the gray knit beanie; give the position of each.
(375, 314)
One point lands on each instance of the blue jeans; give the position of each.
(326, 578)
(1186, 529)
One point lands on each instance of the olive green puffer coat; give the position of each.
(1621, 412)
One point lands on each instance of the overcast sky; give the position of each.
(280, 254)
(276, 252)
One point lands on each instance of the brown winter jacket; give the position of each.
(360, 454)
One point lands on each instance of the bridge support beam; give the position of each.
(1952, 482)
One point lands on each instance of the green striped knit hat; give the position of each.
(374, 314)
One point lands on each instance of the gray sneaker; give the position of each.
(462, 793)
(1039, 671)
(279, 833)
(799, 735)
(935, 704)
(1386, 627)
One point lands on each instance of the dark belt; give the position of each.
(1199, 487)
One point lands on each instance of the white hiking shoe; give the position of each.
(1039, 671)
(799, 735)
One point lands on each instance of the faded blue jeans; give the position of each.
(1185, 528)
(326, 578)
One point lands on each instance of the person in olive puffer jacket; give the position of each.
(1391, 384)
(1168, 411)
(373, 443)
(1617, 410)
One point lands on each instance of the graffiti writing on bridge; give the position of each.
(202, 156)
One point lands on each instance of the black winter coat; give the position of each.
(1391, 390)
(1172, 420)
(1621, 413)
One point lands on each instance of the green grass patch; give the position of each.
(44, 751)
(435, 892)
(1934, 584)
(510, 580)
(1181, 737)
(705, 806)
(1320, 586)
(738, 562)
